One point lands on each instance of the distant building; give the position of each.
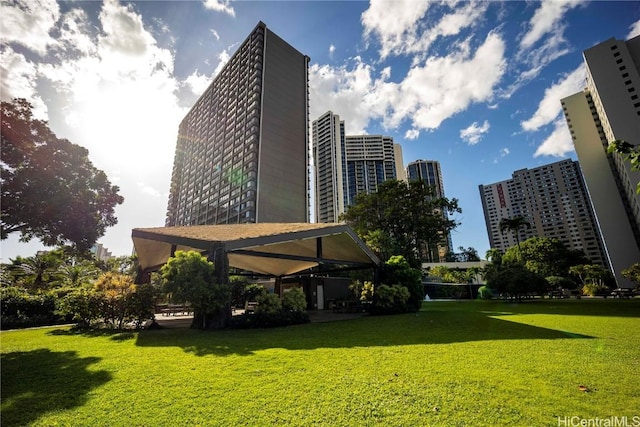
(608, 109)
(330, 160)
(553, 199)
(370, 161)
(347, 165)
(242, 150)
(430, 172)
(100, 252)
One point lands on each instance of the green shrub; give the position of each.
(390, 300)
(593, 289)
(268, 303)
(294, 300)
(484, 292)
(366, 294)
(21, 309)
(397, 271)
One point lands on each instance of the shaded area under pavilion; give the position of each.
(273, 250)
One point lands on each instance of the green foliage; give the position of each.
(403, 218)
(50, 189)
(268, 303)
(485, 293)
(368, 289)
(629, 152)
(544, 256)
(83, 306)
(189, 278)
(275, 319)
(593, 274)
(516, 281)
(594, 289)
(514, 225)
(390, 300)
(252, 292)
(633, 273)
(20, 309)
(559, 282)
(397, 271)
(294, 300)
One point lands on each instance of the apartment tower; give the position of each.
(608, 109)
(430, 172)
(553, 199)
(241, 153)
(370, 162)
(330, 160)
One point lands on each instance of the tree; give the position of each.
(628, 152)
(397, 271)
(593, 277)
(633, 273)
(515, 281)
(544, 256)
(403, 219)
(514, 225)
(189, 278)
(50, 188)
(469, 254)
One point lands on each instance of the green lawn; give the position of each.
(454, 364)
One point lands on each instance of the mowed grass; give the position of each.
(453, 363)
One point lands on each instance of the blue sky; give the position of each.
(476, 86)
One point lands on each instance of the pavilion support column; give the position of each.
(277, 287)
(218, 255)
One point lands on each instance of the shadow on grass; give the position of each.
(40, 381)
(431, 326)
(115, 335)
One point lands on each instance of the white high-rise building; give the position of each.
(607, 110)
(347, 165)
(553, 200)
(330, 163)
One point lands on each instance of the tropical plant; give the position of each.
(268, 303)
(515, 282)
(390, 299)
(628, 152)
(544, 256)
(189, 277)
(294, 300)
(514, 225)
(397, 271)
(632, 273)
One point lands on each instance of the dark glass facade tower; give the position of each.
(242, 150)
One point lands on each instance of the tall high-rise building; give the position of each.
(370, 162)
(608, 109)
(346, 165)
(242, 150)
(330, 160)
(553, 199)
(430, 172)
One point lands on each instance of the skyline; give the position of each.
(475, 86)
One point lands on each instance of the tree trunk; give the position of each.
(218, 320)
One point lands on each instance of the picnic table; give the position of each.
(622, 293)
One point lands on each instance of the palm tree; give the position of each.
(514, 224)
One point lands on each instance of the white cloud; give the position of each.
(559, 143)
(549, 107)
(29, 23)
(473, 134)
(332, 49)
(504, 152)
(634, 30)
(223, 57)
(412, 134)
(406, 32)
(220, 6)
(111, 89)
(198, 83)
(215, 34)
(547, 19)
(393, 28)
(426, 96)
(18, 79)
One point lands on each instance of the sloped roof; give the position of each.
(276, 249)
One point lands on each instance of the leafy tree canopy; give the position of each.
(189, 278)
(633, 273)
(544, 256)
(50, 188)
(403, 218)
(465, 255)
